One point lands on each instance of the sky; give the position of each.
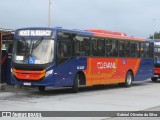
(139, 18)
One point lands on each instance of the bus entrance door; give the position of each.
(64, 74)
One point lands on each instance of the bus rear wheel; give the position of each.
(41, 88)
(75, 84)
(154, 79)
(128, 80)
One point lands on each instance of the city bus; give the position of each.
(74, 58)
(156, 60)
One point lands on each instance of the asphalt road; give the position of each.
(142, 96)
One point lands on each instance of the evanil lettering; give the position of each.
(103, 65)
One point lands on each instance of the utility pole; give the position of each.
(49, 13)
(154, 21)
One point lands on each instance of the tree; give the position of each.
(156, 35)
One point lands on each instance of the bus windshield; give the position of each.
(33, 51)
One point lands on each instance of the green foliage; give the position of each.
(156, 35)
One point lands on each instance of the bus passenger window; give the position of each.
(124, 49)
(108, 47)
(82, 46)
(145, 50)
(111, 48)
(134, 49)
(114, 51)
(101, 46)
(121, 49)
(151, 47)
(94, 42)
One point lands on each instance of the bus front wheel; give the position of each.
(75, 84)
(41, 88)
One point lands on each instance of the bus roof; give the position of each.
(106, 34)
(92, 32)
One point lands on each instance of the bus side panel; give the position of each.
(63, 74)
(146, 70)
(67, 70)
(109, 70)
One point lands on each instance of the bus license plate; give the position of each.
(27, 84)
(156, 76)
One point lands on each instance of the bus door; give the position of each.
(146, 67)
(64, 61)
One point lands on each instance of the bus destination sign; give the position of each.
(34, 33)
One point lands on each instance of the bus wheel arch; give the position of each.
(78, 80)
(129, 77)
(82, 78)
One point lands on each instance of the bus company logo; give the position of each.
(21, 114)
(6, 114)
(124, 61)
(104, 65)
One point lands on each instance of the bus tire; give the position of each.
(41, 88)
(154, 79)
(75, 84)
(128, 80)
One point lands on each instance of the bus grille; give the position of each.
(29, 75)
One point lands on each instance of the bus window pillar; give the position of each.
(1, 83)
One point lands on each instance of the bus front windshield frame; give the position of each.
(33, 50)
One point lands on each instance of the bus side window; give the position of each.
(101, 47)
(108, 47)
(145, 50)
(151, 47)
(137, 49)
(124, 49)
(63, 48)
(114, 51)
(121, 49)
(94, 43)
(134, 49)
(82, 46)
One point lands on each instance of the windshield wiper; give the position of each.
(24, 45)
(34, 45)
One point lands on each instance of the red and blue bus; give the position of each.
(72, 58)
(156, 60)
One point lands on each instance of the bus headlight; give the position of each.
(48, 73)
(11, 70)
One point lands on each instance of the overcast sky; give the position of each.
(138, 18)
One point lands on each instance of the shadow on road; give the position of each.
(52, 91)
